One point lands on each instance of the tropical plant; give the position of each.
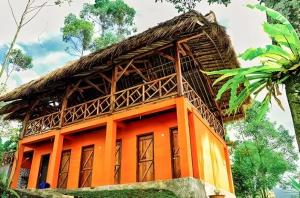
(279, 65)
(5, 191)
(295, 184)
(262, 156)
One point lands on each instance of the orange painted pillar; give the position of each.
(53, 168)
(228, 166)
(194, 145)
(18, 163)
(184, 138)
(110, 149)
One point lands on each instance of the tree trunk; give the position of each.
(292, 87)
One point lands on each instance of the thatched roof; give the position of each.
(163, 34)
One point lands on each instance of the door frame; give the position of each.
(137, 154)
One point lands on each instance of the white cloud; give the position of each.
(53, 58)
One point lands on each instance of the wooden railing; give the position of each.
(147, 92)
(87, 110)
(42, 124)
(204, 111)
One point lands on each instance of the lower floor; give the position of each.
(145, 145)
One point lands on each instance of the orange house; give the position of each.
(137, 111)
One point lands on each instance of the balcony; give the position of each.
(155, 90)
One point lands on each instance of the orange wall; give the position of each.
(211, 155)
(160, 126)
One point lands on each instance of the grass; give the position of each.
(128, 193)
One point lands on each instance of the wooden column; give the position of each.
(184, 138)
(54, 163)
(178, 71)
(113, 87)
(110, 149)
(25, 124)
(64, 107)
(17, 166)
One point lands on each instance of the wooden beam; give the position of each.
(64, 107)
(139, 72)
(105, 77)
(93, 85)
(124, 70)
(178, 71)
(74, 88)
(167, 56)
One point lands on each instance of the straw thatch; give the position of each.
(191, 23)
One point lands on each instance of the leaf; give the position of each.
(264, 107)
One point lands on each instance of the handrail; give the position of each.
(202, 108)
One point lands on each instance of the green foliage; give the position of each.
(278, 63)
(186, 5)
(79, 32)
(105, 22)
(5, 191)
(262, 155)
(20, 60)
(295, 184)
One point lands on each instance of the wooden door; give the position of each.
(64, 169)
(175, 156)
(86, 166)
(118, 162)
(145, 153)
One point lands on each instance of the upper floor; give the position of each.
(162, 62)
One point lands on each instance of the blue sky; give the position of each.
(43, 41)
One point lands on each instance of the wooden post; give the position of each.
(64, 107)
(178, 71)
(110, 149)
(25, 124)
(113, 86)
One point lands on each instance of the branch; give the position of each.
(12, 12)
(40, 8)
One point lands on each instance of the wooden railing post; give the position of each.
(178, 71)
(113, 87)
(64, 107)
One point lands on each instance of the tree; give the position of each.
(186, 5)
(279, 65)
(262, 155)
(112, 21)
(31, 10)
(79, 32)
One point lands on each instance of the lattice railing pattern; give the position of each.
(87, 110)
(159, 88)
(41, 124)
(193, 97)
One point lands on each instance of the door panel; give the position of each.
(118, 162)
(175, 156)
(145, 166)
(64, 169)
(86, 166)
